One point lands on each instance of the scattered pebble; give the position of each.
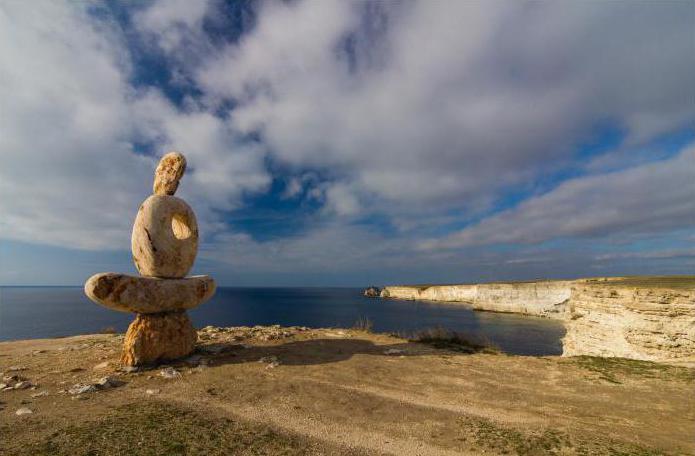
(101, 366)
(17, 368)
(268, 359)
(23, 411)
(82, 388)
(109, 382)
(129, 369)
(22, 385)
(14, 382)
(271, 361)
(103, 383)
(152, 391)
(40, 394)
(169, 372)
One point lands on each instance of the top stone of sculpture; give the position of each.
(169, 171)
(165, 232)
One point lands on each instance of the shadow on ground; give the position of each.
(317, 351)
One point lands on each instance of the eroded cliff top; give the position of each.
(673, 281)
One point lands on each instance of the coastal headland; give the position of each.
(291, 391)
(645, 318)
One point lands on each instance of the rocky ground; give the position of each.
(273, 390)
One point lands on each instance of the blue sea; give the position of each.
(40, 312)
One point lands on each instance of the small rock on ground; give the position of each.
(169, 372)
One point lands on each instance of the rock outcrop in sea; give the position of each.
(164, 245)
(372, 292)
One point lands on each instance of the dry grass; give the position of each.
(681, 282)
(157, 428)
(439, 337)
(615, 370)
(363, 324)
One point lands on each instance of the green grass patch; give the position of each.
(486, 435)
(155, 428)
(615, 370)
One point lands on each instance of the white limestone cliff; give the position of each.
(543, 298)
(654, 324)
(611, 317)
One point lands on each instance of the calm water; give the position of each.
(36, 312)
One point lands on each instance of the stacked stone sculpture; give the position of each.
(164, 245)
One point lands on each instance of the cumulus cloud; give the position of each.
(422, 115)
(71, 173)
(174, 24)
(452, 103)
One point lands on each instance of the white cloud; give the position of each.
(174, 24)
(422, 113)
(450, 104)
(70, 175)
(652, 198)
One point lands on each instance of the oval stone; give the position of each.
(147, 295)
(168, 173)
(165, 237)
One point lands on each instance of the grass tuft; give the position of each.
(440, 337)
(363, 324)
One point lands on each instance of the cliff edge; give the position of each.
(645, 318)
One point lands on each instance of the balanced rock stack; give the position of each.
(164, 246)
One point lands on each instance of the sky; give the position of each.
(351, 143)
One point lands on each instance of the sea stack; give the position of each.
(164, 245)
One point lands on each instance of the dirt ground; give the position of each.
(296, 391)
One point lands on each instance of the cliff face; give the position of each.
(546, 298)
(654, 324)
(603, 317)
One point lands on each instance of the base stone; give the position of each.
(158, 337)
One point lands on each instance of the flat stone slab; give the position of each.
(147, 295)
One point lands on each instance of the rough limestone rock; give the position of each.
(165, 237)
(157, 337)
(543, 298)
(654, 324)
(145, 295)
(168, 174)
(602, 317)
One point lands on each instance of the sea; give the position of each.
(43, 312)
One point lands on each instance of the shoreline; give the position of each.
(644, 318)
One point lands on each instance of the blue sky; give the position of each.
(352, 143)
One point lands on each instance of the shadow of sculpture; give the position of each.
(316, 351)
